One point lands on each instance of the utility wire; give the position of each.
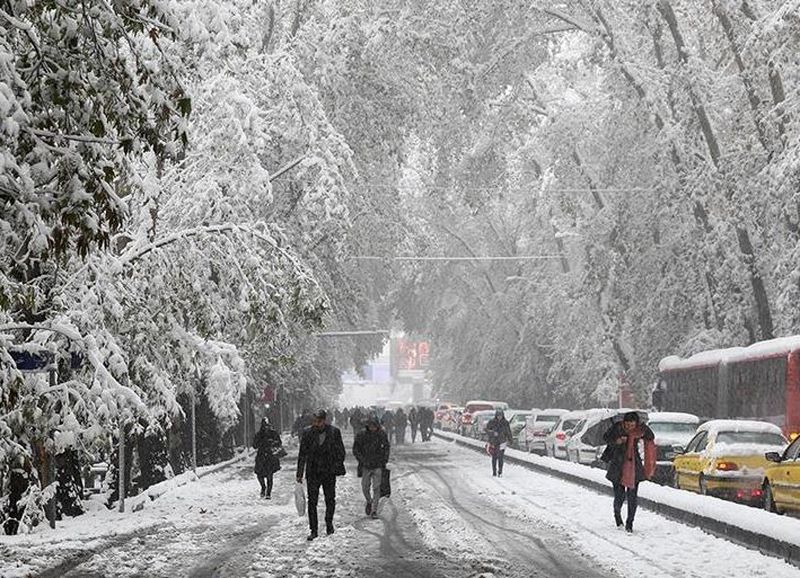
(480, 258)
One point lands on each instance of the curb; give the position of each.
(752, 540)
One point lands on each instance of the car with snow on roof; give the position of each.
(726, 458)
(781, 487)
(477, 405)
(516, 419)
(477, 428)
(672, 430)
(555, 442)
(537, 426)
(451, 419)
(586, 444)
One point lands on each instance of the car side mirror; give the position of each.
(679, 450)
(773, 457)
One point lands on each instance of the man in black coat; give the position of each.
(321, 458)
(371, 449)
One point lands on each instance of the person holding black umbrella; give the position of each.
(625, 466)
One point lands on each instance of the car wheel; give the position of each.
(769, 500)
(703, 485)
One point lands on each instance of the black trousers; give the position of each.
(328, 485)
(413, 433)
(268, 486)
(621, 494)
(497, 460)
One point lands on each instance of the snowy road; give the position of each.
(448, 517)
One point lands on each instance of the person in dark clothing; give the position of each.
(371, 449)
(413, 421)
(355, 421)
(425, 423)
(387, 421)
(625, 467)
(400, 423)
(498, 432)
(267, 442)
(321, 459)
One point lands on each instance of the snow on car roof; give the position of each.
(672, 417)
(580, 414)
(739, 425)
(552, 411)
(713, 357)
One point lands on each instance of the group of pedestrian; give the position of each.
(626, 468)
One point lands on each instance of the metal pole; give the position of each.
(121, 479)
(194, 435)
(51, 465)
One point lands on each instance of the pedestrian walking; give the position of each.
(498, 432)
(400, 423)
(413, 421)
(269, 447)
(625, 467)
(426, 423)
(321, 459)
(387, 422)
(371, 449)
(355, 421)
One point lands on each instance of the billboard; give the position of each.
(410, 357)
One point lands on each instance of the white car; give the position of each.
(555, 443)
(672, 430)
(538, 426)
(578, 450)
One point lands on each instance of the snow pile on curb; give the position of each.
(761, 522)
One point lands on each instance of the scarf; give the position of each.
(629, 465)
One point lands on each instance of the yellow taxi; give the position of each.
(782, 480)
(727, 458)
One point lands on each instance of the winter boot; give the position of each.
(329, 528)
(629, 526)
(311, 536)
(368, 508)
(263, 492)
(618, 519)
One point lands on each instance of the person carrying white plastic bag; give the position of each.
(300, 499)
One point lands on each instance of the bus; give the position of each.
(761, 381)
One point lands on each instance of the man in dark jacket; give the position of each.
(321, 458)
(413, 421)
(371, 449)
(625, 467)
(425, 423)
(498, 432)
(400, 423)
(268, 442)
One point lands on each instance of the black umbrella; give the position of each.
(594, 434)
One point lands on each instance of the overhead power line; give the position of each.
(478, 258)
(351, 333)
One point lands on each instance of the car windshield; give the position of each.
(480, 407)
(665, 427)
(519, 418)
(750, 437)
(548, 418)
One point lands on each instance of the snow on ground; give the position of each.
(447, 517)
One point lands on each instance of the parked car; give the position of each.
(517, 422)
(672, 430)
(586, 444)
(477, 405)
(781, 486)
(440, 412)
(451, 419)
(537, 426)
(555, 443)
(477, 428)
(727, 458)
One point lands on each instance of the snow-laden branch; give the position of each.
(89, 347)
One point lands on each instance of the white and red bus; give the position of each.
(761, 381)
